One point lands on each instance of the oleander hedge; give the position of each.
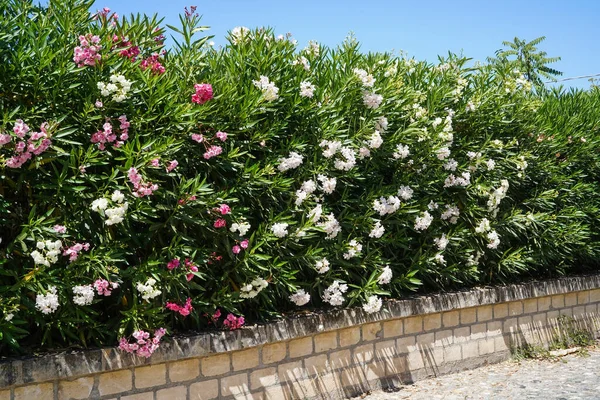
(153, 185)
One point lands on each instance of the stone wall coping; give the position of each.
(73, 364)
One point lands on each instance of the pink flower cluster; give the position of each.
(232, 322)
(36, 144)
(172, 165)
(220, 223)
(243, 245)
(154, 64)
(222, 136)
(104, 287)
(141, 188)
(103, 15)
(189, 265)
(224, 209)
(59, 228)
(128, 50)
(183, 201)
(73, 251)
(184, 310)
(212, 151)
(197, 137)
(144, 346)
(108, 136)
(87, 52)
(204, 92)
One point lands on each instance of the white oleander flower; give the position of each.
(242, 228)
(280, 229)
(253, 288)
(422, 222)
(372, 305)
(83, 295)
(293, 161)
(441, 242)
(300, 298)
(377, 231)
(405, 192)
(47, 303)
(331, 226)
(147, 289)
(334, 294)
(386, 276)
(401, 152)
(354, 249)
(307, 89)
(322, 266)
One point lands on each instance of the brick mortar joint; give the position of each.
(208, 344)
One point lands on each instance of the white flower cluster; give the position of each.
(405, 192)
(118, 86)
(327, 184)
(242, 228)
(441, 242)
(331, 226)
(372, 100)
(461, 83)
(83, 295)
(253, 288)
(366, 78)
(490, 164)
(312, 48)
(334, 294)
(494, 240)
(47, 252)
(269, 90)
(302, 61)
(419, 112)
(401, 152)
(423, 222)
(322, 266)
(293, 161)
(492, 235)
(314, 215)
(372, 305)
(381, 124)
(331, 147)
(386, 276)
(47, 303)
(354, 249)
(391, 70)
(473, 260)
(443, 153)
(496, 196)
(375, 141)
(280, 229)
(470, 106)
(451, 165)
(307, 89)
(452, 213)
(300, 298)
(114, 215)
(240, 34)
(348, 160)
(377, 231)
(307, 188)
(463, 180)
(439, 259)
(147, 289)
(386, 206)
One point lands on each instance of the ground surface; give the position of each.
(569, 377)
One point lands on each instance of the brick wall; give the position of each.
(325, 358)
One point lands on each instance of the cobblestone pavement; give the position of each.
(569, 377)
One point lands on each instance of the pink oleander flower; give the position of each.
(172, 165)
(244, 244)
(217, 314)
(196, 137)
(174, 263)
(20, 128)
(98, 104)
(224, 209)
(154, 64)
(222, 136)
(155, 162)
(60, 229)
(184, 310)
(220, 223)
(213, 151)
(5, 139)
(141, 188)
(232, 322)
(236, 249)
(204, 92)
(87, 53)
(191, 268)
(104, 287)
(144, 346)
(73, 251)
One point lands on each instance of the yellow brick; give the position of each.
(301, 347)
(351, 376)
(515, 308)
(215, 365)
(317, 364)
(325, 341)
(274, 352)
(363, 354)
(205, 390)
(566, 311)
(5, 394)
(500, 310)
(432, 322)
(450, 318)
(570, 299)
(304, 389)
(484, 313)
(558, 301)
(470, 350)
(486, 346)
(139, 396)
(462, 334)
(115, 382)
(583, 297)
(579, 311)
(525, 323)
(245, 359)
(405, 344)
(392, 328)
(443, 338)
(235, 385)
(398, 366)
(468, 316)
(500, 344)
(544, 303)
(425, 340)
(291, 371)
(494, 328)
(349, 336)
(340, 359)
(371, 331)
(594, 295)
(374, 371)
(530, 306)
(510, 325)
(77, 389)
(478, 331)
(413, 325)
(263, 378)
(152, 375)
(452, 353)
(386, 350)
(172, 393)
(40, 391)
(184, 370)
(414, 360)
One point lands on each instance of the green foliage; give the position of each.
(455, 145)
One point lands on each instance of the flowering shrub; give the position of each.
(166, 185)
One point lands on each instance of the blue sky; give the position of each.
(423, 29)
